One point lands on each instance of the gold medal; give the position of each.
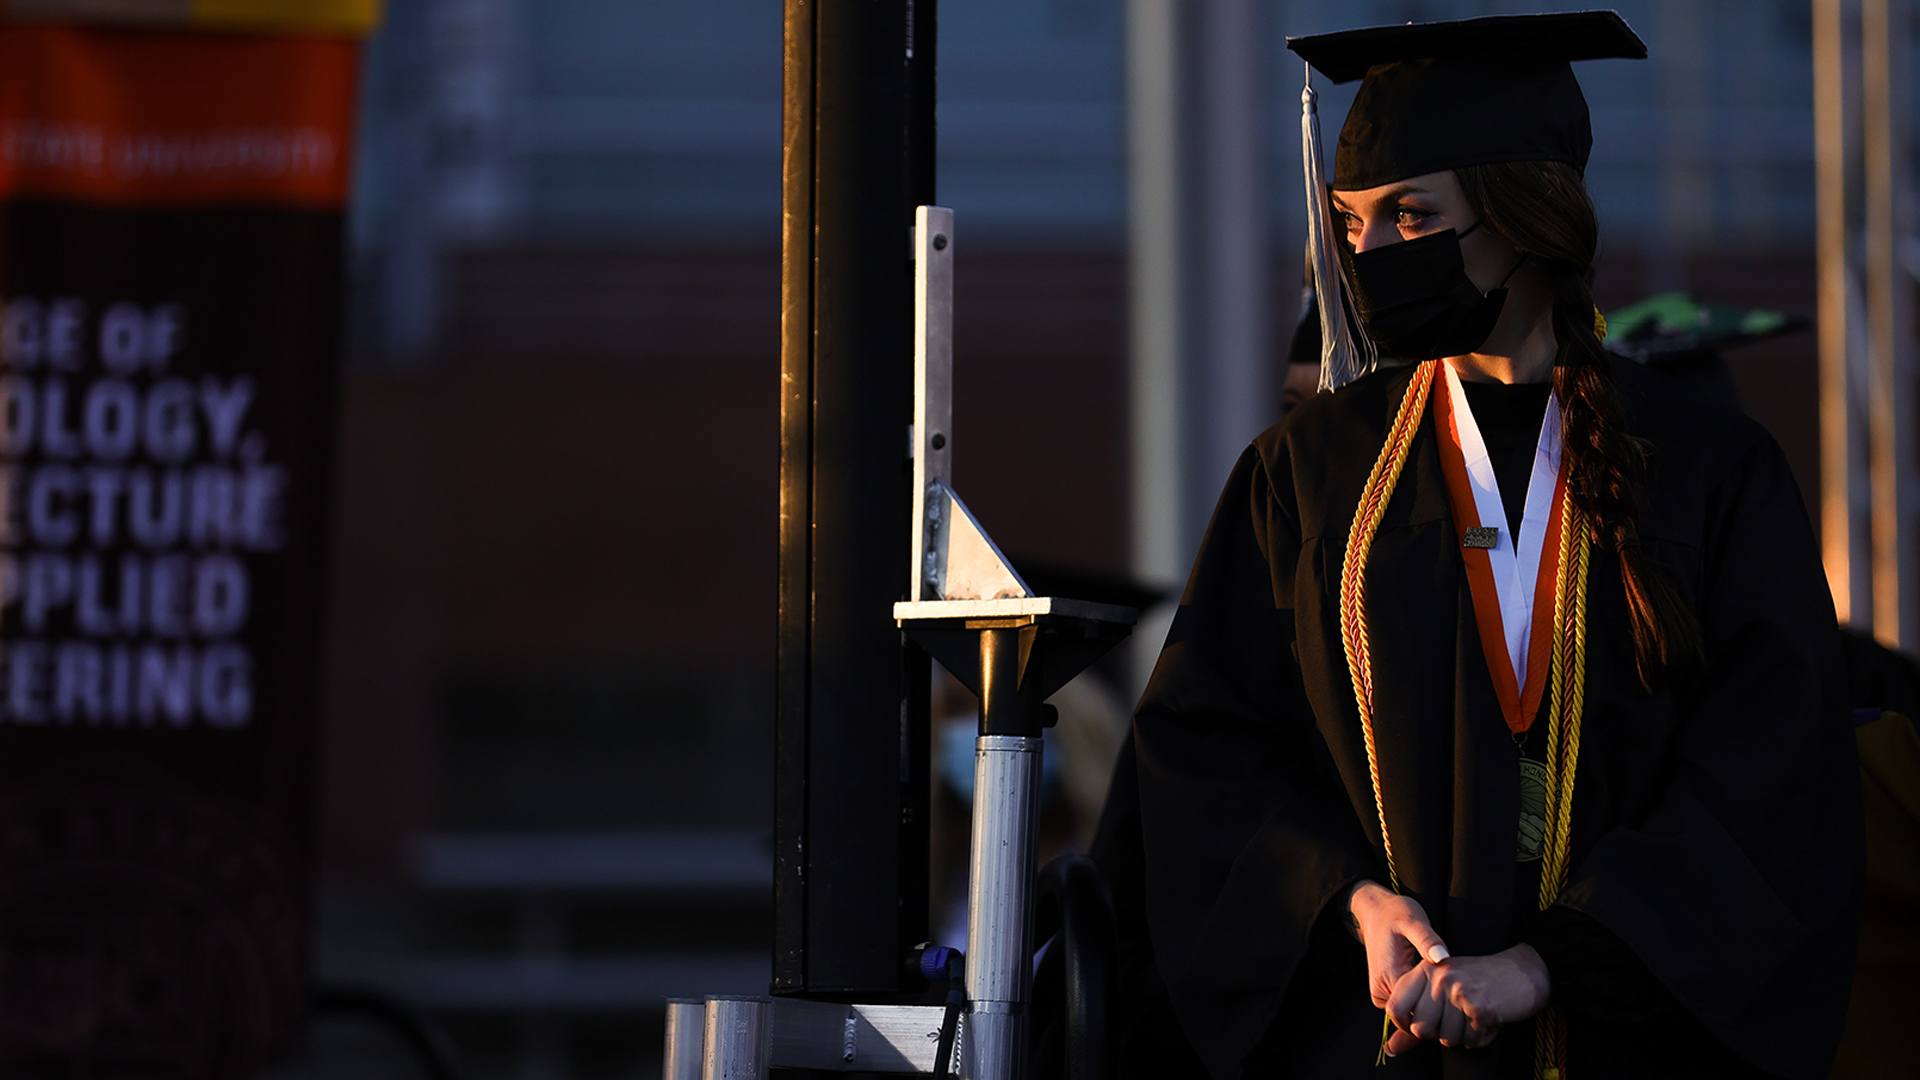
(1533, 809)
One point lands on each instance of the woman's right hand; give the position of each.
(1396, 934)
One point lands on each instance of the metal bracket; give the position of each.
(953, 557)
(794, 1033)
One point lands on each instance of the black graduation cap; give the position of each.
(1686, 340)
(1671, 327)
(1441, 95)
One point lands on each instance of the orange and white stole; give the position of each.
(1511, 578)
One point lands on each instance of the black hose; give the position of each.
(1072, 889)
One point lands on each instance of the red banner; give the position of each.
(140, 118)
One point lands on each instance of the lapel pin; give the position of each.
(1483, 537)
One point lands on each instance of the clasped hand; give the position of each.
(1430, 994)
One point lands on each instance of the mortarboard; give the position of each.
(1674, 334)
(1443, 95)
(1672, 326)
(1438, 96)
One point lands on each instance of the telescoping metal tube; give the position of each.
(738, 1038)
(1006, 782)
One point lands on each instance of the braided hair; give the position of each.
(1542, 208)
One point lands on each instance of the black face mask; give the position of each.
(1416, 302)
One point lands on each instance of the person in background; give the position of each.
(1688, 341)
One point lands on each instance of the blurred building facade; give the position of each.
(549, 697)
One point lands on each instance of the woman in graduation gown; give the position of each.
(1505, 696)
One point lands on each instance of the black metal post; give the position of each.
(850, 891)
(1008, 705)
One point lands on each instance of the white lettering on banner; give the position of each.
(53, 523)
(225, 407)
(127, 595)
(113, 419)
(35, 334)
(100, 684)
(171, 420)
(246, 152)
(228, 506)
(133, 338)
(134, 505)
(42, 144)
(89, 150)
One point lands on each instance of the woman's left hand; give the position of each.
(1464, 1001)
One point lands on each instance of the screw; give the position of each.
(939, 241)
(939, 441)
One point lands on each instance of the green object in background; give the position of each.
(1673, 323)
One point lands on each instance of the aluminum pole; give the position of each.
(737, 1038)
(1891, 458)
(686, 1047)
(1842, 541)
(1200, 357)
(1000, 868)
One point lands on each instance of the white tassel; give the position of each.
(1345, 352)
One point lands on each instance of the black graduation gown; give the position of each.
(1716, 828)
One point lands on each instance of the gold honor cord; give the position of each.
(1353, 581)
(1564, 711)
(1568, 677)
(1353, 599)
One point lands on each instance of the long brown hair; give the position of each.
(1542, 209)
